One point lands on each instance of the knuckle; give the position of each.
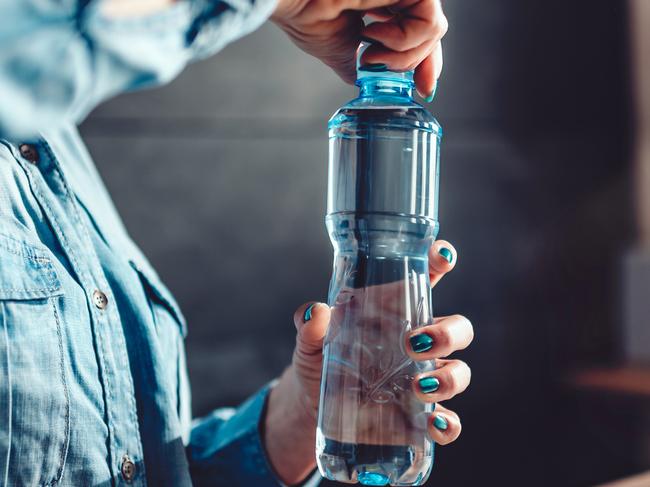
(399, 45)
(443, 338)
(466, 323)
(400, 40)
(468, 369)
(468, 372)
(306, 349)
(470, 328)
(337, 5)
(451, 382)
(459, 317)
(442, 437)
(439, 26)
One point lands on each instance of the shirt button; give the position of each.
(128, 468)
(29, 152)
(100, 299)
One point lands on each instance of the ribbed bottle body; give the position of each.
(382, 220)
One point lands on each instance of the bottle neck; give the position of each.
(376, 86)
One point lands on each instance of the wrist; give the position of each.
(289, 426)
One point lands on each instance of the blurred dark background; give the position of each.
(221, 179)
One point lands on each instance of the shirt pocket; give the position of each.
(34, 398)
(171, 330)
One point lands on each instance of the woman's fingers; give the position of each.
(403, 33)
(444, 425)
(451, 377)
(409, 28)
(383, 14)
(397, 61)
(445, 336)
(425, 81)
(311, 320)
(427, 73)
(437, 60)
(408, 37)
(442, 259)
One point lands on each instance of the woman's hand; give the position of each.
(290, 422)
(407, 35)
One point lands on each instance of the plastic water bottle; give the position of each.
(382, 218)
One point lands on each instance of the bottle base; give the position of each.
(376, 465)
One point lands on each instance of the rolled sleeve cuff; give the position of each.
(220, 22)
(226, 447)
(159, 45)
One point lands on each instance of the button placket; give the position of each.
(122, 422)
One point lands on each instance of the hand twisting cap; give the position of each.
(377, 71)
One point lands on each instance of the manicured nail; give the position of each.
(421, 343)
(429, 98)
(429, 384)
(308, 311)
(374, 68)
(440, 422)
(446, 253)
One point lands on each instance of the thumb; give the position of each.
(311, 320)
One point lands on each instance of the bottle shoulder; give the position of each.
(389, 111)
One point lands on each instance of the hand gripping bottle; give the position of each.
(382, 217)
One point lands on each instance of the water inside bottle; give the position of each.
(382, 217)
(373, 464)
(374, 428)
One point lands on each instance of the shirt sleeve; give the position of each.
(61, 58)
(225, 447)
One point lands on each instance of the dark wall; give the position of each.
(220, 178)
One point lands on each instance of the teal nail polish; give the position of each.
(429, 384)
(429, 98)
(440, 422)
(421, 343)
(308, 311)
(374, 68)
(446, 253)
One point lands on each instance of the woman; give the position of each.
(93, 386)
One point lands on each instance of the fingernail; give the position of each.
(440, 422)
(429, 98)
(308, 311)
(429, 384)
(421, 343)
(446, 253)
(367, 39)
(374, 68)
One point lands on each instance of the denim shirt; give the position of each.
(93, 381)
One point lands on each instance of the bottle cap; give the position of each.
(378, 71)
